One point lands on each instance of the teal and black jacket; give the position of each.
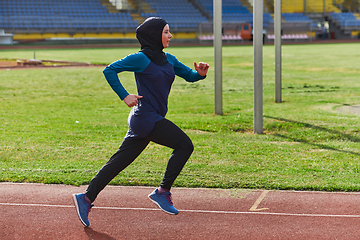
(153, 83)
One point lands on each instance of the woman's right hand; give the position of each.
(132, 100)
(202, 69)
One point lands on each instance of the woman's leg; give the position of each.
(126, 154)
(168, 134)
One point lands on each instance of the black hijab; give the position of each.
(149, 34)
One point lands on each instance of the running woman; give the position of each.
(154, 73)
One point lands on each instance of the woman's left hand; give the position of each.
(202, 68)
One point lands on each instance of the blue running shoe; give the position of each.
(82, 208)
(163, 201)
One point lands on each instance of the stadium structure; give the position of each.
(189, 20)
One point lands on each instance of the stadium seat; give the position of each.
(59, 14)
(346, 20)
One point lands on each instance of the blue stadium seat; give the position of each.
(233, 11)
(296, 17)
(41, 14)
(178, 13)
(346, 20)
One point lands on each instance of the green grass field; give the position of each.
(61, 125)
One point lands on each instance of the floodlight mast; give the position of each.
(217, 25)
(258, 66)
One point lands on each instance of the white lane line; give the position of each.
(191, 211)
(35, 205)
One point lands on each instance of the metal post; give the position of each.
(217, 24)
(277, 51)
(258, 66)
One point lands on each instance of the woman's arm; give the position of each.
(187, 73)
(136, 62)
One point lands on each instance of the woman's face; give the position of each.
(166, 35)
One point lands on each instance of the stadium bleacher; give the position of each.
(295, 17)
(233, 11)
(292, 6)
(299, 17)
(313, 6)
(318, 6)
(346, 20)
(39, 18)
(174, 11)
(60, 16)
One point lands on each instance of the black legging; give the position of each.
(164, 133)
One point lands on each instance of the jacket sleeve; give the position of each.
(184, 71)
(135, 62)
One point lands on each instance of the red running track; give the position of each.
(37, 211)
